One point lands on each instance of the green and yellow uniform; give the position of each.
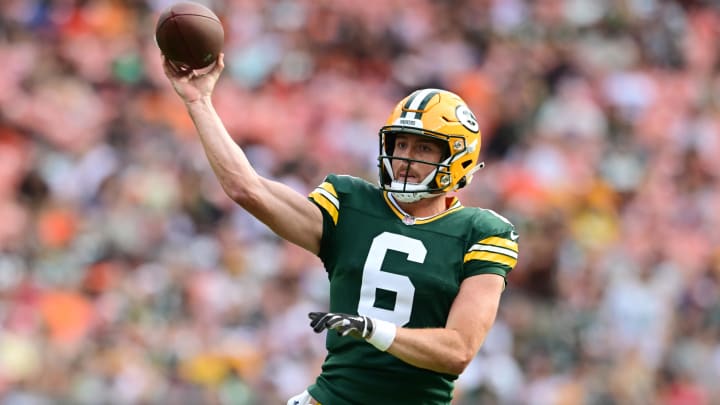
(387, 265)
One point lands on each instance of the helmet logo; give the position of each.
(467, 118)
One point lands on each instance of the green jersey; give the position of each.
(388, 265)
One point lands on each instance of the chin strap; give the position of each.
(475, 169)
(468, 177)
(412, 193)
(410, 197)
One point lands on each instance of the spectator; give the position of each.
(600, 125)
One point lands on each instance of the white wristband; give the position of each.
(383, 334)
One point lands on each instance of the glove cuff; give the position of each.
(383, 334)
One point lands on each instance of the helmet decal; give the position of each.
(467, 118)
(417, 102)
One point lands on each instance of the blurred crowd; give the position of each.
(127, 276)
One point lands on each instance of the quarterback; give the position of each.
(415, 276)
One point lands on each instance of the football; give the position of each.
(190, 35)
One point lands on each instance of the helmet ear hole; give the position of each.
(465, 165)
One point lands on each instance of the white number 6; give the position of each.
(375, 277)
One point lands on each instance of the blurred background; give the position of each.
(127, 276)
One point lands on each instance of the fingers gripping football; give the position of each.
(343, 324)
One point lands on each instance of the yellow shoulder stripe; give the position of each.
(500, 242)
(491, 257)
(326, 197)
(494, 249)
(329, 188)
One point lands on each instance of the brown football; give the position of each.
(190, 35)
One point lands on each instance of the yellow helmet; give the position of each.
(437, 114)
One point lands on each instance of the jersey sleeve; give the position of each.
(328, 199)
(493, 251)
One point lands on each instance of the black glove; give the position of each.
(343, 324)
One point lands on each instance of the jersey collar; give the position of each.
(452, 203)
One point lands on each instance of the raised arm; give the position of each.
(288, 213)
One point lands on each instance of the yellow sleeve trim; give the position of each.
(501, 242)
(329, 188)
(491, 257)
(320, 196)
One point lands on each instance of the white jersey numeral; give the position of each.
(374, 278)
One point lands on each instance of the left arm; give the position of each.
(444, 350)
(450, 349)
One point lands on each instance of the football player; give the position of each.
(415, 276)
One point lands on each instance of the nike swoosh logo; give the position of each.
(513, 235)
